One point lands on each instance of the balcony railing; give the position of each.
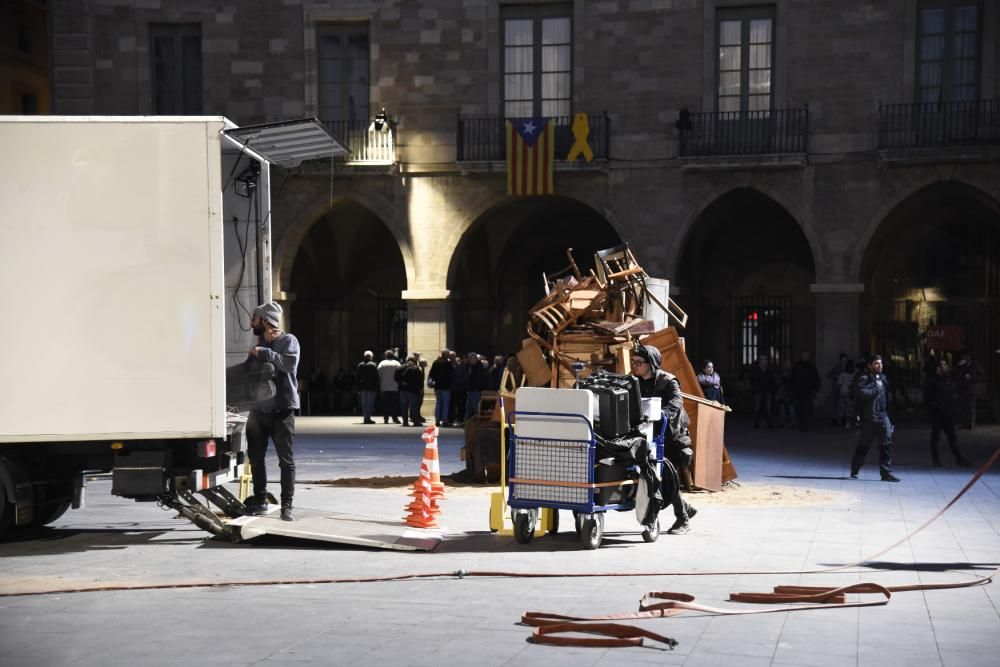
(484, 139)
(939, 124)
(745, 133)
(366, 146)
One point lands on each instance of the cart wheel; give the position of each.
(523, 528)
(577, 522)
(651, 532)
(555, 522)
(592, 531)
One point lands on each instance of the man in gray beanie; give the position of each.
(275, 417)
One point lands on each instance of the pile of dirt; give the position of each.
(743, 494)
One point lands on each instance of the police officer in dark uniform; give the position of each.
(872, 393)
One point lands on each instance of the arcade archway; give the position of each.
(347, 280)
(932, 284)
(496, 273)
(744, 279)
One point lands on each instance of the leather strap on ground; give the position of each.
(662, 604)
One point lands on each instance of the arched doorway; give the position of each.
(347, 278)
(932, 285)
(496, 272)
(744, 280)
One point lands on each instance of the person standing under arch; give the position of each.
(872, 393)
(941, 400)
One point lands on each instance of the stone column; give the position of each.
(838, 316)
(428, 326)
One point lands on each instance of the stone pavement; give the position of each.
(818, 518)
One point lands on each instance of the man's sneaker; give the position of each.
(889, 477)
(680, 527)
(854, 473)
(691, 511)
(286, 513)
(255, 505)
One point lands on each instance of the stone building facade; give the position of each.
(832, 184)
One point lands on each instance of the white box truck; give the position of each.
(134, 250)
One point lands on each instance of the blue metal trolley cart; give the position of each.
(563, 474)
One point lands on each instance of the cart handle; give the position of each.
(582, 418)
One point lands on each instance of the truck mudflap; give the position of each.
(234, 524)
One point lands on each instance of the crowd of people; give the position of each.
(395, 390)
(859, 400)
(394, 387)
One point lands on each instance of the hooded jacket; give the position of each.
(666, 386)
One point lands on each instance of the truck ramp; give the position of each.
(339, 528)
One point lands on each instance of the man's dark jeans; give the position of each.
(881, 428)
(279, 426)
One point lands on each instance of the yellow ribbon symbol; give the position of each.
(581, 130)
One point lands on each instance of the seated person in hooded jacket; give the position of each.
(654, 381)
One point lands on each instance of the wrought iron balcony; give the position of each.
(774, 131)
(939, 124)
(484, 138)
(367, 146)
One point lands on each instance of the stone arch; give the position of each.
(342, 285)
(300, 219)
(492, 201)
(694, 213)
(876, 221)
(745, 255)
(930, 266)
(495, 272)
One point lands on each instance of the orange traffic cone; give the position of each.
(420, 510)
(430, 438)
(428, 487)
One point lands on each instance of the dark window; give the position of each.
(948, 49)
(343, 72)
(745, 65)
(176, 60)
(537, 61)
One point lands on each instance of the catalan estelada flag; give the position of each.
(530, 148)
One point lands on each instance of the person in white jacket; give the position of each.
(388, 387)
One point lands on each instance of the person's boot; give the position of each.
(256, 505)
(889, 477)
(681, 526)
(689, 510)
(286, 512)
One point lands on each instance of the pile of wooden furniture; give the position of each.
(593, 321)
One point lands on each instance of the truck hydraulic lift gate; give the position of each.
(237, 526)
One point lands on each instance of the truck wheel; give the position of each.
(592, 531)
(46, 515)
